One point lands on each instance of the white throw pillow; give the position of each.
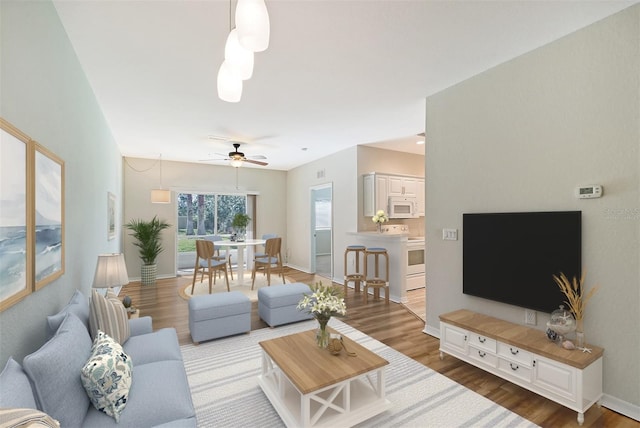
(107, 376)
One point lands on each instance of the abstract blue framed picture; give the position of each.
(15, 208)
(49, 216)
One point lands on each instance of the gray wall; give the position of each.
(46, 95)
(521, 137)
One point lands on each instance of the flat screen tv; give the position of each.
(512, 257)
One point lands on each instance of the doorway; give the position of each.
(322, 230)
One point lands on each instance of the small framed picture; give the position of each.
(111, 216)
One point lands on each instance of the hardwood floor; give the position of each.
(398, 328)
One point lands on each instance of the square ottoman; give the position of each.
(218, 315)
(278, 304)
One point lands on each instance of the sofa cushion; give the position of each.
(107, 376)
(15, 389)
(78, 305)
(107, 313)
(160, 345)
(159, 394)
(54, 372)
(23, 418)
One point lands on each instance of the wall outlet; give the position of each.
(529, 317)
(449, 234)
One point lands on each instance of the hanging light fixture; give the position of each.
(160, 196)
(229, 84)
(238, 59)
(252, 22)
(236, 163)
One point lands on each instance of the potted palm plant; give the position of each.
(148, 240)
(239, 223)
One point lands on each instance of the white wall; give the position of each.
(520, 137)
(46, 95)
(142, 175)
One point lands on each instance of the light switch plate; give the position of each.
(449, 234)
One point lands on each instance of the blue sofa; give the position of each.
(49, 379)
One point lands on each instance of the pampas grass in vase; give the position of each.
(577, 301)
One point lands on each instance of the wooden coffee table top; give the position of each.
(310, 368)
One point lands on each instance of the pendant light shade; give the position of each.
(252, 22)
(239, 59)
(229, 85)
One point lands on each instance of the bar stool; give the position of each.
(357, 277)
(376, 282)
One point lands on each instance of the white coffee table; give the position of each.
(310, 387)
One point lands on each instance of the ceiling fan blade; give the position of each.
(256, 162)
(213, 160)
(256, 157)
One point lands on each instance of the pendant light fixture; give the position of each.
(239, 59)
(252, 22)
(160, 196)
(229, 84)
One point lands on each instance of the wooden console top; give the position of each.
(527, 338)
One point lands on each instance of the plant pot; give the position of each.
(149, 274)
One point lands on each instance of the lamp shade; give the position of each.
(252, 22)
(229, 85)
(236, 163)
(239, 59)
(160, 196)
(111, 271)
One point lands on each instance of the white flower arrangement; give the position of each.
(324, 302)
(380, 217)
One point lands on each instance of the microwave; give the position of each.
(402, 207)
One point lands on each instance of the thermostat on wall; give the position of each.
(590, 191)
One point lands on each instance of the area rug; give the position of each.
(221, 287)
(224, 386)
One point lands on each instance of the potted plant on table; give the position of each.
(148, 240)
(240, 223)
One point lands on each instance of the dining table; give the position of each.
(249, 245)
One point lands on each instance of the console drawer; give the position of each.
(515, 370)
(515, 354)
(482, 356)
(482, 342)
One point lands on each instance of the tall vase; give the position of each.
(379, 226)
(322, 333)
(580, 342)
(148, 274)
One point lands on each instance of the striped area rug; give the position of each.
(224, 387)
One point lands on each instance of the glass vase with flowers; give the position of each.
(323, 303)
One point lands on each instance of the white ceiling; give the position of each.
(336, 74)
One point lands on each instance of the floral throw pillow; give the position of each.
(107, 376)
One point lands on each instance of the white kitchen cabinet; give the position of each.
(526, 357)
(375, 193)
(378, 187)
(403, 186)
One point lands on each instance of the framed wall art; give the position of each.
(111, 216)
(15, 216)
(49, 216)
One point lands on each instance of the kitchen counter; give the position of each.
(396, 245)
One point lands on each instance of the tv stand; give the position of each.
(524, 356)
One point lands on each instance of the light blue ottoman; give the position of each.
(218, 315)
(277, 304)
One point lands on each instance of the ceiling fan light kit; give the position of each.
(250, 35)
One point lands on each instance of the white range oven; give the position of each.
(415, 264)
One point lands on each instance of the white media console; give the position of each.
(524, 356)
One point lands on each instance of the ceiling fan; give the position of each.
(237, 158)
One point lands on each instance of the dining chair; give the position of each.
(265, 237)
(217, 255)
(206, 263)
(271, 260)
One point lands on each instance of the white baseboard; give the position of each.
(620, 406)
(431, 331)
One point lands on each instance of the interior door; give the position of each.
(322, 230)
